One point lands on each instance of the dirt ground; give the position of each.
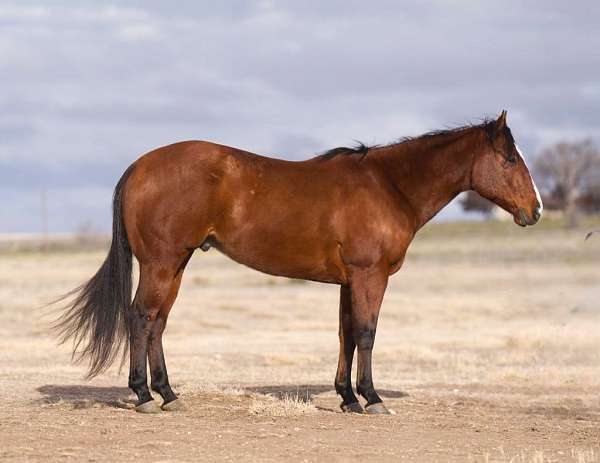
(488, 350)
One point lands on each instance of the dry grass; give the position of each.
(288, 405)
(538, 456)
(210, 388)
(487, 327)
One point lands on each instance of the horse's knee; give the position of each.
(365, 339)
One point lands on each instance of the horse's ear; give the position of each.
(501, 122)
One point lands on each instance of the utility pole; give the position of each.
(44, 217)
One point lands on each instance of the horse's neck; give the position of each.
(431, 172)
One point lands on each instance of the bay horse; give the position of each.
(345, 217)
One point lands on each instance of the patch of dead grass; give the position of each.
(288, 405)
(210, 388)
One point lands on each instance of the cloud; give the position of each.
(87, 88)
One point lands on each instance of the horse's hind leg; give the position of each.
(154, 291)
(158, 368)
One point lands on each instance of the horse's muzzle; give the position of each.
(523, 219)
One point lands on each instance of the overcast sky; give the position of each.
(87, 86)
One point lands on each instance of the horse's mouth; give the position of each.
(522, 219)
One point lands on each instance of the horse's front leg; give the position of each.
(343, 378)
(367, 289)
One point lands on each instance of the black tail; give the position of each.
(96, 318)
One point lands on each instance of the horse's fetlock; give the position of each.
(159, 380)
(363, 386)
(157, 387)
(138, 387)
(341, 386)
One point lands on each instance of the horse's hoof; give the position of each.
(176, 405)
(148, 407)
(377, 409)
(354, 407)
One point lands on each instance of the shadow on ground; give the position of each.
(83, 396)
(307, 391)
(86, 396)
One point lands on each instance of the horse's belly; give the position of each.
(289, 258)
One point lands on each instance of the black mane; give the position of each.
(362, 149)
(485, 124)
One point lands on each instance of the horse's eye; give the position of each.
(512, 160)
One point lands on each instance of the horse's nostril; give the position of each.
(537, 213)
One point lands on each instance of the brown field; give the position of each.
(488, 350)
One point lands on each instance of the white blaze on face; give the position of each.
(537, 193)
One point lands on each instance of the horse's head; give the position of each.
(501, 175)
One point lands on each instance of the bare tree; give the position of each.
(567, 173)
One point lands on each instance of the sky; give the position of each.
(86, 87)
